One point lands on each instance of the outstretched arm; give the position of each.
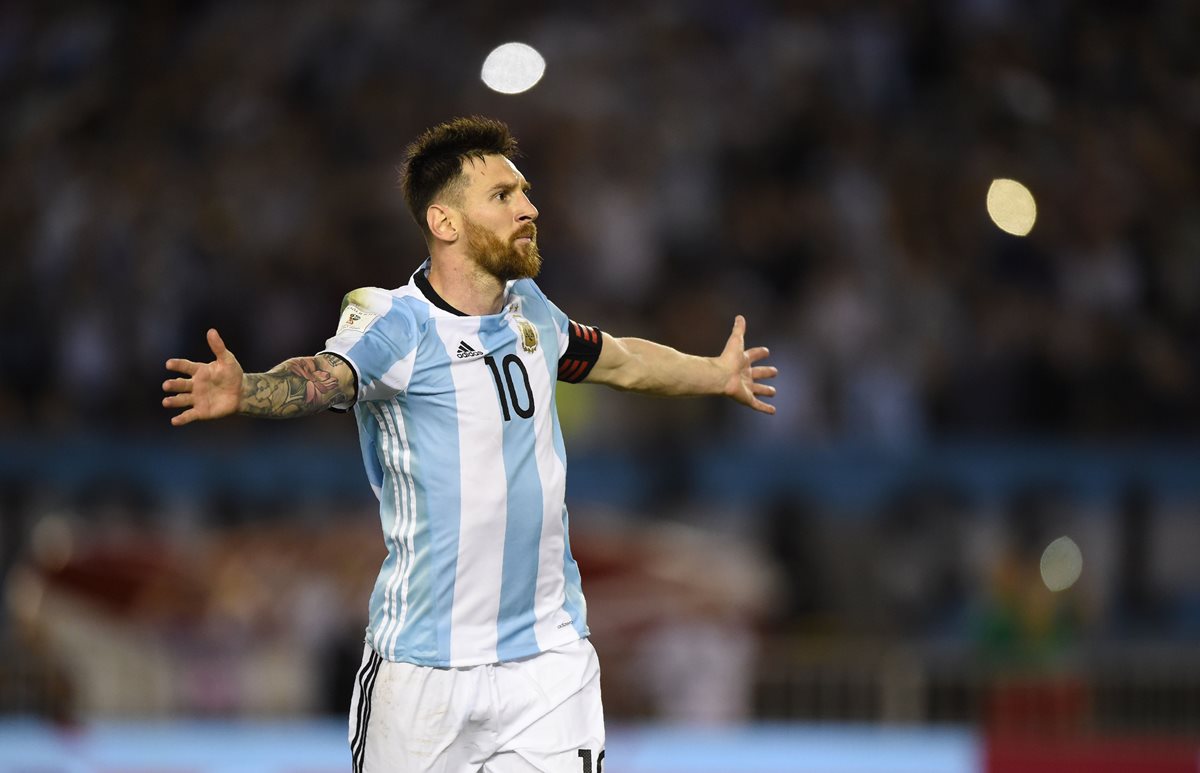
(643, 366)
(296, 387)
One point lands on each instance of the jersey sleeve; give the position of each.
(578, 344)
(377, 336)
(583, 349)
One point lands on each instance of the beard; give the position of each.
(504, 260)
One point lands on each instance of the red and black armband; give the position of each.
(583, 349)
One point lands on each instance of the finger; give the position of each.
(763, 371)
(216, 344)
(186, 367)
(177, 385)
(757, 353)
(186, 417)
(762, 407)
(178, 401)
(763, 389)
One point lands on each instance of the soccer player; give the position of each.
(476, 655)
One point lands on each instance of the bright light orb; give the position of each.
(1011, 207)
(513, 68)
(1062, 564)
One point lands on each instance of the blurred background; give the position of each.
(871, 560)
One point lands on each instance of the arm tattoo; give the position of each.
(296, 387)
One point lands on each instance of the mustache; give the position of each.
(530, 231)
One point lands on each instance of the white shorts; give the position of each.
(541, 714)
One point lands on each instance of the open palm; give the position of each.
(211, 389)
(743, 383)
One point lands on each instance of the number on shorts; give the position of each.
(586, 756)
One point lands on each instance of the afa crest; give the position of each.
(529, 335)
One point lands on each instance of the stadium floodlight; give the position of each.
(1061, 565)
(1011, 207)
(513, 68)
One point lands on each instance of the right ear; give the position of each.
(441, 222)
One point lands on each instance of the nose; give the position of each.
(527, 212)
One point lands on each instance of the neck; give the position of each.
(466, 286)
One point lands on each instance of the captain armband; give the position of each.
(583, 349)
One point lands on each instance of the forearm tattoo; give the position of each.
(296, 387)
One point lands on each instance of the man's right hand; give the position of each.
(212, 389)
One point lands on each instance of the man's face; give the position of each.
(498, 219)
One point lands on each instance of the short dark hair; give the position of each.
(434, 160)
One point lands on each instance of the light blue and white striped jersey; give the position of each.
(462, 445)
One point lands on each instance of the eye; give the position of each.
(502, 195)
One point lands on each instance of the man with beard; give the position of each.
(476, 654)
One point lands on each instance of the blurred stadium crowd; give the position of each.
(170, 166)
(819, 166)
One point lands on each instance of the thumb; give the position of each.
(737, 336)
(216, 344)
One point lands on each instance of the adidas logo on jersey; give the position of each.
(465, 350)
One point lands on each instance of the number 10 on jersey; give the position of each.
(506, 388)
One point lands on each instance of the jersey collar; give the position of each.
(431, 294)
(421, 279)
